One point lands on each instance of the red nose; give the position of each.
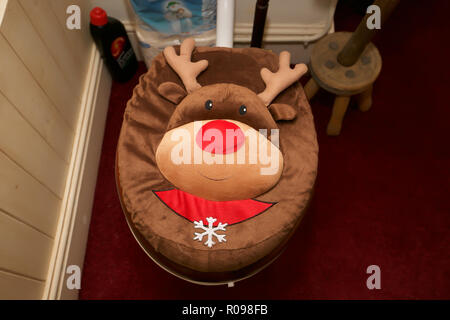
(220, 136)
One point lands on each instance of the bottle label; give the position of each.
(124, 58)
(117, 47)
(118, 52)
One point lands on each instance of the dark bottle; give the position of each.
(115, 48)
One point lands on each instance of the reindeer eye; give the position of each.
(243, 110)
(208, 105)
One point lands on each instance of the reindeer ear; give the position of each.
(172, 92)
(282, 111)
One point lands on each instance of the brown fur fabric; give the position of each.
(148, 117)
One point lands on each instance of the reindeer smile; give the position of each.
(214, 179)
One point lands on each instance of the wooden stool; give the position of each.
(355, 80)
(347, 64)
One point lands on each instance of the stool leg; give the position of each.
(364, 99)
(339, 109)
(311, 88)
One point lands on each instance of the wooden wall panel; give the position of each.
(79, 41)
(20, 89)
(14, 287)
(28, 45)
(24, 250)
(56, 41)
(27, 148)
(43, 87)
(25, 198)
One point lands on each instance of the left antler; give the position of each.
(283, 78)
(186, 70)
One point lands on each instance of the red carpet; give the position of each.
(382, 193)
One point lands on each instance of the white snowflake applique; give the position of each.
(210, 231)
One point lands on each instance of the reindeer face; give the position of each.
(214, 149)
(222, 141)
(219, 160)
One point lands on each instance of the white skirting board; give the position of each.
(73, 225)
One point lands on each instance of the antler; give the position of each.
(283, 78)
(186, 70)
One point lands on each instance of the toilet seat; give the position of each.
(168, 237)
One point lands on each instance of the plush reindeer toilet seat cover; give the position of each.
(164, 216)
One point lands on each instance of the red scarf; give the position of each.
(195, 208)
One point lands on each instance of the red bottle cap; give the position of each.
(98, 17)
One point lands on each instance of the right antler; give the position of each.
(186, 70)
(280, 80)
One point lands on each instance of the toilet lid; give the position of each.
(168, 218)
